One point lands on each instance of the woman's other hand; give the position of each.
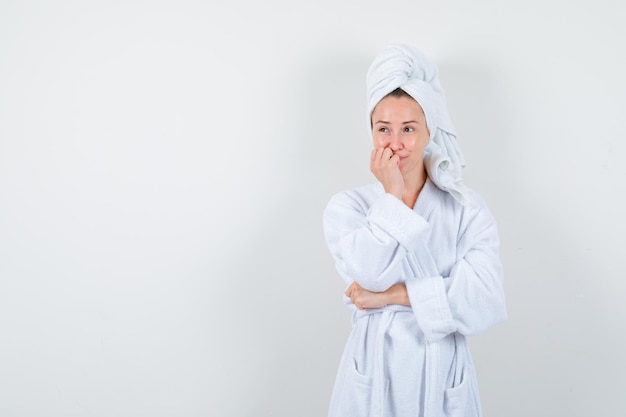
(363, 299)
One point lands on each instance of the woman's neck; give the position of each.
(412, 187)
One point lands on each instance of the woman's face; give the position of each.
(398, 123)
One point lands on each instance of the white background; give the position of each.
(164, 166)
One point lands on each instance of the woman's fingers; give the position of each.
(381, 155)
(380, 158)
(350, 291)
(386, 168)
(353, 292)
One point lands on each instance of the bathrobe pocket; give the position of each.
(363, 392)
(356, 395)
(360, 389)
(455, 398)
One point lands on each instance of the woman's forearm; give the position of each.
(364, 299)
(397, 294)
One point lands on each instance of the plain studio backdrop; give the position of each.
(164, 166)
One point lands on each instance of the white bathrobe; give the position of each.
(414, 361)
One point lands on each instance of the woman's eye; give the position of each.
(383, 130)
(409, 129)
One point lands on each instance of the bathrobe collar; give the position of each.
(426, 200)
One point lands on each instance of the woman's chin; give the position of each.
(409, 171)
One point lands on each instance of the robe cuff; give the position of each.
(398, 220)
(429, 302)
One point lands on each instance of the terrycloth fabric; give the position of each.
(414, 361)
(403, 66)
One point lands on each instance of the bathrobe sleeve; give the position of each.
(366, 242)
(471, 299)
(373, 245)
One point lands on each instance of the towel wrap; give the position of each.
(403, 66)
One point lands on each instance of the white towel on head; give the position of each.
(405, 67)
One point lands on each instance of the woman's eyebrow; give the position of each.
(404, 123)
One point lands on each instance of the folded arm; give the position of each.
(471, 299)
(366, 300)
(370, 244)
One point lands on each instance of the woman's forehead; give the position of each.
(397, 108)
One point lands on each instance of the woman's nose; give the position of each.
(395, 142)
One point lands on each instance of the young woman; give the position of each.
(419, 252)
